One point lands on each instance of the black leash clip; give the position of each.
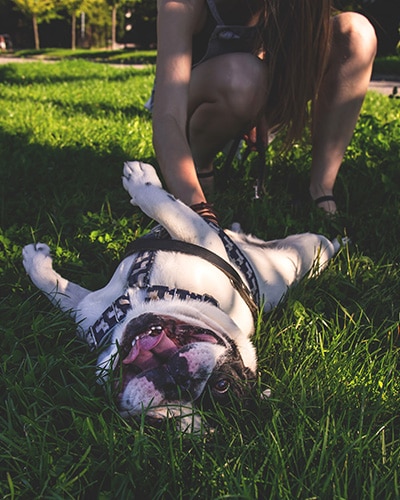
(261, 162)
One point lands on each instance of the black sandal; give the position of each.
(322, 199)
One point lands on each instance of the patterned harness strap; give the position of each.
(139, 277)
(240, 260)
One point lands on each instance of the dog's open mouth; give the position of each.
(150, 340)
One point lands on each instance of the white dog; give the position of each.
(174, 323)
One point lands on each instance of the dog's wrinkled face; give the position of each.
(166, 363)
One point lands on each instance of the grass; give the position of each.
(330, 353)
(120, 56)
(389, 65)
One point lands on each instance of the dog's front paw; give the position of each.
(38, 263)
(136, 175)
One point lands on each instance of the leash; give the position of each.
(261, 162)
(236, 256)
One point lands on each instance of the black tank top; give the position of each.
(217, 38)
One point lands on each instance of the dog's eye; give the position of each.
(222, 385)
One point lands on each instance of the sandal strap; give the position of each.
(321, 199)
(204, 175)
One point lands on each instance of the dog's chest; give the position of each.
(165, 276)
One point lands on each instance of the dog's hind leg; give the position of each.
(182, 223)
(39, 266)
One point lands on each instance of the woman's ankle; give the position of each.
(324, 200)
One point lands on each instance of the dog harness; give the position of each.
(139, 277)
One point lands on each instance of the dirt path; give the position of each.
(385, 84)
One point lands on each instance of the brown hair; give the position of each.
(296, 39)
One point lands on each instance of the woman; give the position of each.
(225, 67)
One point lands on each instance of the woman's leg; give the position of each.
(226, 95)
(340, 99)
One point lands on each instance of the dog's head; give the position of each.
(167, 366)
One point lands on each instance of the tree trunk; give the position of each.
(73, 31)
(114, 27)
(36, 31)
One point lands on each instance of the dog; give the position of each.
(173, 326)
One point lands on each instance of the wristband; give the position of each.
(206, 210)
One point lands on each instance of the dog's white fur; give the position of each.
(278, 265)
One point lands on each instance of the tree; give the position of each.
(39, 11)
(73, 8)
(114, 4)
(98, 22)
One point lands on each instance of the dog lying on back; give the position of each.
(173, 326)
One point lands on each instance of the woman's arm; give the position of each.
(177, 21)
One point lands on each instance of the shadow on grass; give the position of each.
(70, 198)
(100, 109)
(39, 180)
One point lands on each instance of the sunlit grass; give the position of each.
(329, 354)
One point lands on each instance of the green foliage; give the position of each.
(39, 11)
(144, 9)
(329, 353)
(389, 65)
(72, 6)
(44, 10)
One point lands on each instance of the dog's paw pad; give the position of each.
(137, 173)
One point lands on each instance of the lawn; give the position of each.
(120, 56)
(329, 353)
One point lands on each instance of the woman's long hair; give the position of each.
(296, 39)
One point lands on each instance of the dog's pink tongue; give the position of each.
(144, 349)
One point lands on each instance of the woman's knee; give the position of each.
(353, 37)
(238, 83)
(245, 85)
